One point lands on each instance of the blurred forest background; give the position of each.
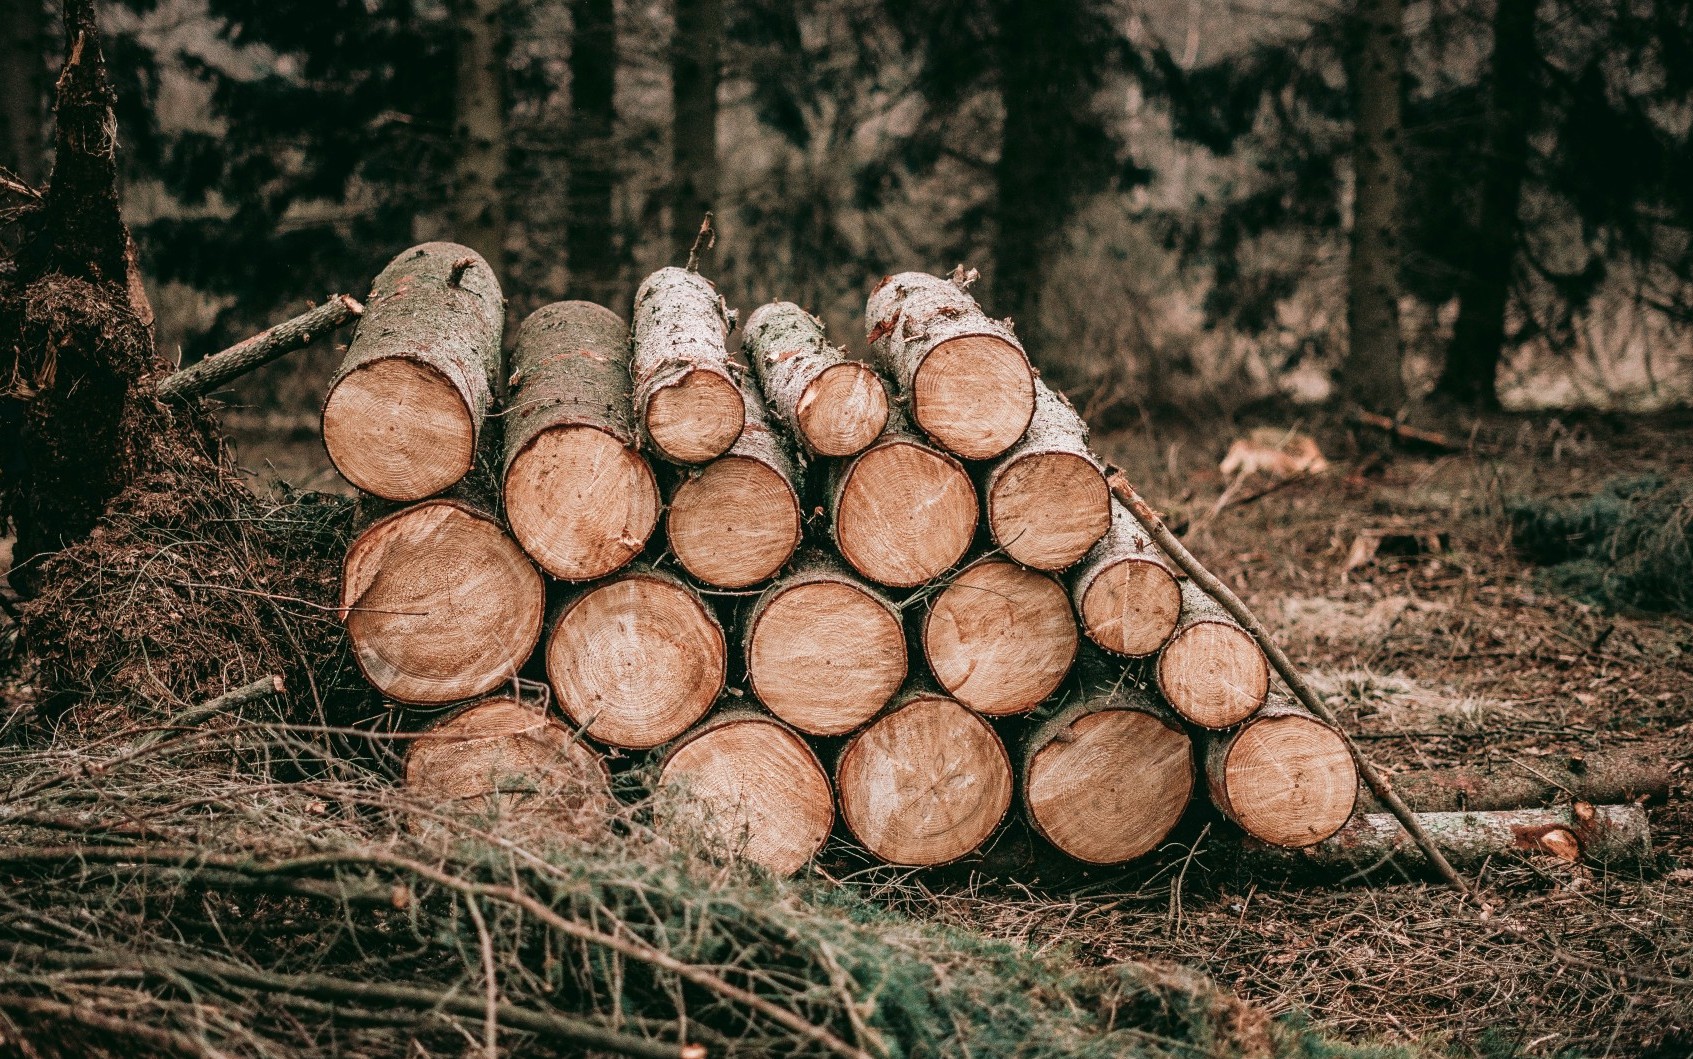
(1184, 204)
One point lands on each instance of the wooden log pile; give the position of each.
(893, 599)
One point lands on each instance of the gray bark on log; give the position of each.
(1047, 501)
(795, 363)
(1614, 776)
(1211, 671)
(681, 324)
(1284, 776)
(1138, 601)
(262, 348)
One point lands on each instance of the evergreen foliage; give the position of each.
(1628, 546)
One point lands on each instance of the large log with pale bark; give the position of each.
(1620, 774)
(737, 520)
(1047, 501)
(636, 660)
(832, 406)
(1127, 598)
(999, 638)
(686, 396)
(926, 783)
(1107, 777)
(579, 495)
(964, 377)
(825, 651)
(405, 415)
(1285, 777)
(752, 788)
(1212, 672)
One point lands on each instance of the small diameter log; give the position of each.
(506, 757)
(737, 520)
(1107, 778)
(1000, 638)
(1211, 671)
(404, 415)
(901, 513)
(963, 376)
(637, 660)
(686, 397)
(752, 788)
(580, 497)
(834, 406)
(1047, 500)
(1284, 777)
(1600, 778)
(1617, 835)
(926, 783)
(1126, 597)
(825, 652)
(262, 348)
(440, 604)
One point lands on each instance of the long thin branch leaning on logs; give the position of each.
(1290, 675)
(262, 348)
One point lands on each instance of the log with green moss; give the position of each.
(686, 396)
(832, 405)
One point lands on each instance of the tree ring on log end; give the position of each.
(925, 784)
(1213, 674)
(399, 428)
(843, 410)
(825, 656)
(638, 660)
(754, 790)
(974, 395)
(734, 523)
(1048, 509)
(906, 513)
(1131, 607)
(1000, 638)
(440, 604)
(581, 502)
(1289, 780)
(1110, 786)
(697, 417)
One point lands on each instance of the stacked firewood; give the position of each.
(898, 592)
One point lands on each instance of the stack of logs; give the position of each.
(901, 588)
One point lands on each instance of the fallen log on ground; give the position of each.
(1600, 778)
(580, 497)
(999, 638)
(1284, 777)
(833, 406)
(405, 414)
(262, 348)
(1127, 599)
(686, 397)
(1211, 672)
(1047, 501)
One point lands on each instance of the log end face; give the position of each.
(697, 418)
(1213, 674)
(844, 410)
(825, 656)
(1048, 509)
(1290, 781)
(906, 514)
(1000, 638)
(1131, 607)
(735, 523)
(580, 502)
(399, 429)
(1110, 786)
(974, 395)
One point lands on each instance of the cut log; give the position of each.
(1284, 777)
(637, 660)
(1603, 777)
(579, 495)
(901, 512)
(1000, 638)
(963, 376)
(1126, 597)
(1376, 843)
(1211, 671)
(506, 757)
(924, 784)
(1047, 500)
(1107, 778)
(686, 397)
(752, 788)
(440, 603)
(825, 652)
(261, 349)
(737, 520)
(832, 405)
(404, 416)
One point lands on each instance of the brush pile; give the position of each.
(898, 592)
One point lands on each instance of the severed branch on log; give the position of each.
(1284, 666)
(264, 347)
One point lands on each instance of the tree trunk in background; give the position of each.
(479, 173)
(1472, 361)
(694, 72)
(1372, 373)
(1029, 205)
(23, 79)
(590, 243)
